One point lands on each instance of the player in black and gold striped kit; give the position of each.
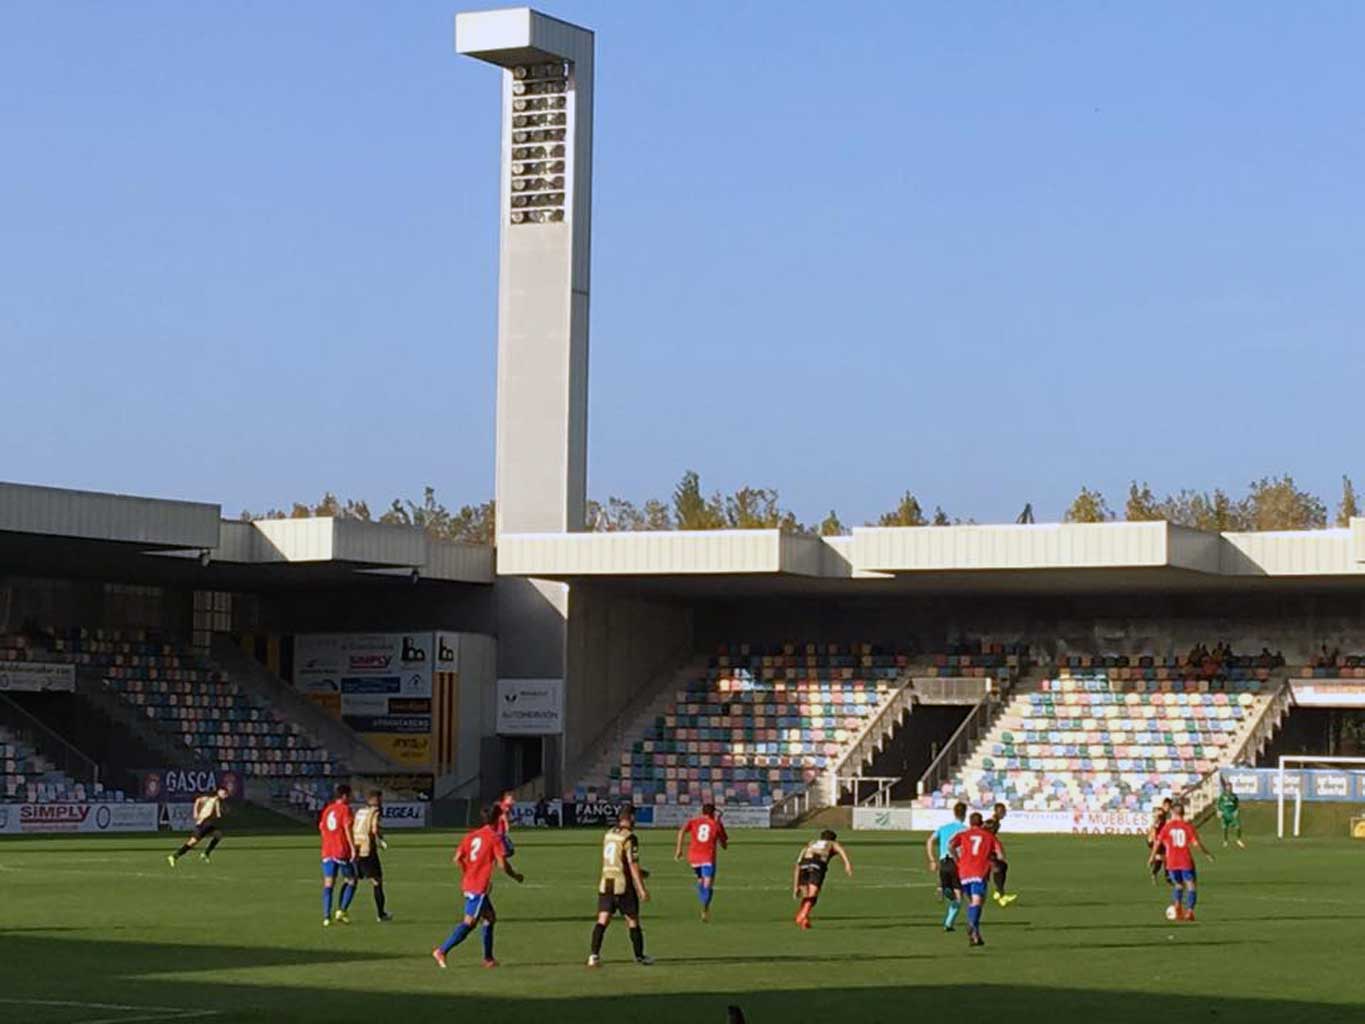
(621, 888)
(208, 811)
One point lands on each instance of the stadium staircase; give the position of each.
(270, 689)
(592, 771)
(38, 766)
(184, 709)
(1098, 736)
(784, 727)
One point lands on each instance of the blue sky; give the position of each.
(986, 252)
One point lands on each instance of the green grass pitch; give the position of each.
(102, 930)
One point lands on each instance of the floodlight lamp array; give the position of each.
(539, 128)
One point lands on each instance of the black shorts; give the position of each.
(627, 903)
(947, 876)
(812, 872)
(204, 829)
(369, 867)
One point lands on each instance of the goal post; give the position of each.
(1296, 764)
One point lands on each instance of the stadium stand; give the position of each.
(27, 776)
(1105, 734)
(764, 722)
(187, 698)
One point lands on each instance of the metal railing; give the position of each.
(973, 727)
(1200, 797)
(881, 792)
(867, 744)
(49, 744)
(792, 807)
(683, 666)
(951, 690)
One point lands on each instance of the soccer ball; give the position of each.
(1170, 913)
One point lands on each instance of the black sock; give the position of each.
(379, 898)
(1000, 871)
(637, 941)
(184, 849)
(1156, 866)
(598, 930)
(212, 843)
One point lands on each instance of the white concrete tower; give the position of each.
(544, 263)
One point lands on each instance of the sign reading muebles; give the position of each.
(530, 707)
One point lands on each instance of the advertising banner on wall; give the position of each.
(36, 677)
(408, 814)
(82, 818)
(530, 707)
(380, 684)
(1341, 785)
(538, 814)
(1329, 693)
(1075, 822)
(739, 816)
(173, 785)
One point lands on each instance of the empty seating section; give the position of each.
(1103, 739)
(1332, 666)
(26, 776)
(993, 661)
(761, 725)
(194, 703)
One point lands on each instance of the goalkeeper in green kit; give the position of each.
(1230, 814)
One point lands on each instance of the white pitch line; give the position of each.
(145, 1013)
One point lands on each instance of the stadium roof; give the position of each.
(1043, 557)
(52, 529)
(48, 529)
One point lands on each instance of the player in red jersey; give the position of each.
(338, 855)
(706, 831)
(478, 853)
(506, 805)
(1178, 840)
(972, 850)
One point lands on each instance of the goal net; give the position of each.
(1291, 781)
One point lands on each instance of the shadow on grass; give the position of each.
(97, 971)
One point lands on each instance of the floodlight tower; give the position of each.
(543, 268)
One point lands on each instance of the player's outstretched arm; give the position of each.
(796, 879)
(843, 856)
(677, 849)
(507, 868)
(929, 852)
